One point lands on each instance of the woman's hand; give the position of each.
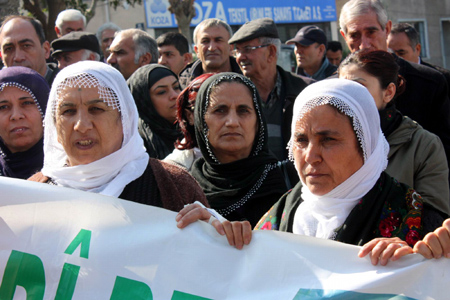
(384, 249)
(194, 212)
(238, 233)
(435, 244)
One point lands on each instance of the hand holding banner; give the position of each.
(59, 243)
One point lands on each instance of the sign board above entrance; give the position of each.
(237, 12)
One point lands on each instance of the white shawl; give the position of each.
(108, 175)
(320, 215)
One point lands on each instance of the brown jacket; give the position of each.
(162, 185)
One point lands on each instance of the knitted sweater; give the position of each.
(162, 185)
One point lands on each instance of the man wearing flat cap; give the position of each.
(256, 48)
(310, 52)
(74, 47)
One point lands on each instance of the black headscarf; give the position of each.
(24, 164)
(246, 188)
(390, 119)
(159, 134)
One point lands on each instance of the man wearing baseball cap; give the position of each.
(74, 47)
(256, 48)
(310, 51)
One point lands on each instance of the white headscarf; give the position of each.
(110, 174)
(320, 215)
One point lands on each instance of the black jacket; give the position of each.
(195, 69)
(292, 86)
(52, 70)
(443, 71)
(426, 99)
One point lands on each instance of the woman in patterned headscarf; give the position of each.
(92, 142)
(23, 99)
(239, 176)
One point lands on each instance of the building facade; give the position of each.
(430, 17)
(290, 15)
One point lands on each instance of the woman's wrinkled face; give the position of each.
(164, 94)
(20, 120)
(372, 84)
(326, 150)
(231, 121)
(87, 128)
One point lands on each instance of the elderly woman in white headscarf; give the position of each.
(92, 142)
(340, 154)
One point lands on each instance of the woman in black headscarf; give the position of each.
(23, 100)
(239, 176)
(155, 89)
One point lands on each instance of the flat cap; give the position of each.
(264, 27)
(309, 35)
(74, 41)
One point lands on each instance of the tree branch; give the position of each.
(90, 12)
(183, 10)
(35, 9)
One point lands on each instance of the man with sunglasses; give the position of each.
(256, 48)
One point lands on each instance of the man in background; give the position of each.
(74, 47)
(131, 49)
(256, 48)
(174, 51)
(334, 52)
(69, 20)
(105, 36)
(365, 25)
(310, 49)
(23, 43)
(213, 51)
(404, 40)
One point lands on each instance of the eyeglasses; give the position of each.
(246, 50)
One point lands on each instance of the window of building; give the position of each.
(421, 27)
(445, 35)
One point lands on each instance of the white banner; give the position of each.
(59, 243)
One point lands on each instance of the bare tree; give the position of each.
(53, 7)
(184, 12)
(8, 7)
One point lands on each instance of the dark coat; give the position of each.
(52, 71)
(195, 69)
(329, 70)
(292, 86)
(444, 72)
(426, 99)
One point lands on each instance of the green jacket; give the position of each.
(417, 158)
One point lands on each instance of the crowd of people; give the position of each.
(354, 151)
